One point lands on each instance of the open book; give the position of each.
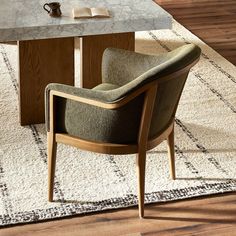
(85, 12)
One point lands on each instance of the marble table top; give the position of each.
(26, 19)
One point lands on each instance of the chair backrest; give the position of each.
(133, 71)
(170, 86)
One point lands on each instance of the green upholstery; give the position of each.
(122, 73)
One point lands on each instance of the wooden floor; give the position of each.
(206, 217)
(215, 22)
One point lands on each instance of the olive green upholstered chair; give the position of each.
(131, 111)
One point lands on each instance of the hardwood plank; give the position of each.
(213, 215)
(214, 21)
(91, 51)
(42, 62)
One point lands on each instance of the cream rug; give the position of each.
(87, 182)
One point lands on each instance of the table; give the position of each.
(46, 44)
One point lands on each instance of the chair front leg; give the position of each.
(171, 153)
(52, 150)
(141, 164)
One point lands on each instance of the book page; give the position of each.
(81, 12)
(102, 12)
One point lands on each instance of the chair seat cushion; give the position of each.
(106, 87)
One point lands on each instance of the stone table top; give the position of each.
(27, 20)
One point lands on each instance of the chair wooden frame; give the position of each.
(140, 148)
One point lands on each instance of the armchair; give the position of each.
(131, 111)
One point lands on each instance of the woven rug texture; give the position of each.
(205, 136)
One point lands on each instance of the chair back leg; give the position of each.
(52, 150)
(141, 164)
(171, 153)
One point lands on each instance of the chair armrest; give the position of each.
(88, 96)
(79, 94)
(112, 99)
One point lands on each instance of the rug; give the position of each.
(86, 182)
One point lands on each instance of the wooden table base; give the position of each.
(52, 61)
(42, 62)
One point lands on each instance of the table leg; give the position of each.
(42, 62)
(91, 51)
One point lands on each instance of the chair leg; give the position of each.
(141, 163)
(171, 153)
(52, 149)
